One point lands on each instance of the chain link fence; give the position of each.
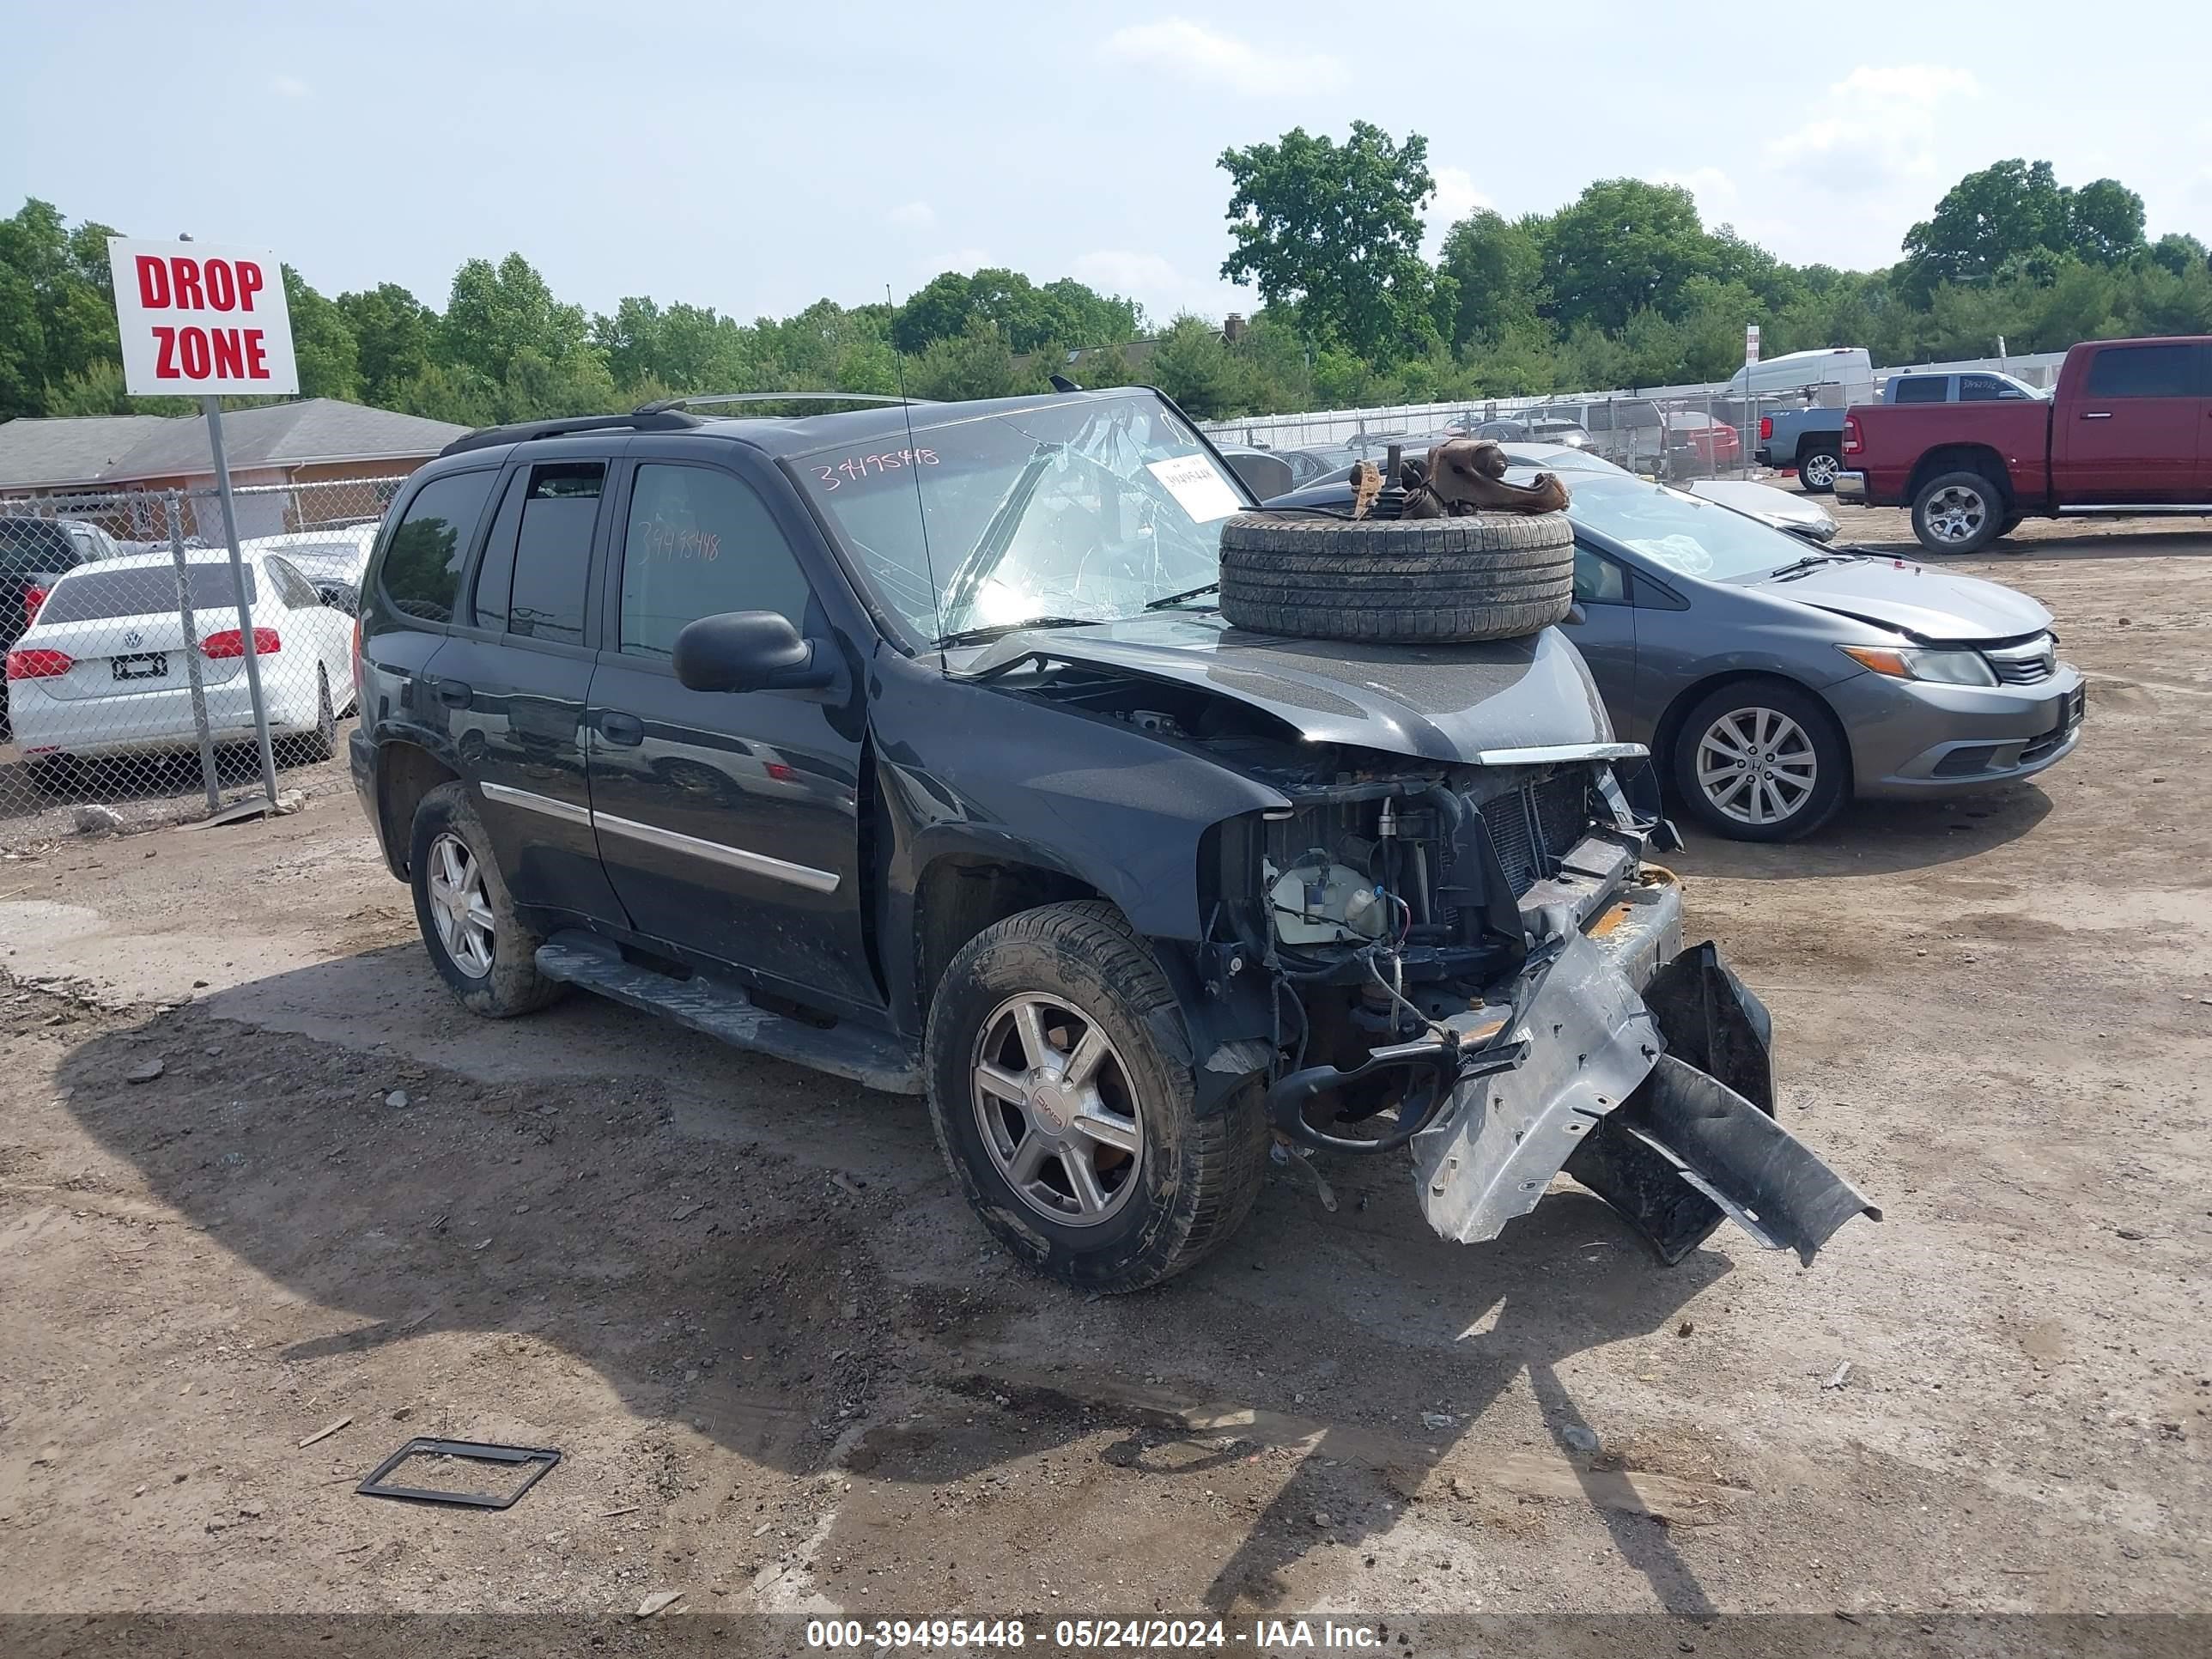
(147, 675)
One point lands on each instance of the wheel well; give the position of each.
(962, 894)
(406, 772)
(1670, 723)
(1960, 457)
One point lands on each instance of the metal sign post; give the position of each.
(213, 407)
(208, 775)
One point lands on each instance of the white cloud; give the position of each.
(290, 86)
(1213, 58)
(1122, 270)
(1875, 128)
(1455, 197)
(1159, 285)
(912, 215)
(962, 259)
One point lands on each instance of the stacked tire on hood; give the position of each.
(1408, 581)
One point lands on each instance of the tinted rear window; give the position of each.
(97, 595)
(36, 544)
(2144, 371)
(1923, 389)
(422, 563)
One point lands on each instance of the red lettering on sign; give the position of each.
(192, 350)
(185, 275)
(257, 362)
(249, 283)
(165, 366)
(221, 286)
(230, 362)
(153, 283)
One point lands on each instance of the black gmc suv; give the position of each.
(906, 742)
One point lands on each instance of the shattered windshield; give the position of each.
(1684, 534)
(1081, 511)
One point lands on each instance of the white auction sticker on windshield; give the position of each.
(1197, 489)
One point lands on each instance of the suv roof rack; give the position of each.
(720, 397)
(652, 418)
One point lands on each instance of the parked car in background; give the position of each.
(1531, 429)
(1699, 444)
(1630, 432)
(1974, 387)
(333, 561)
(1781, 509)
(93, 543)
(1773, 682)
(34, 553)
(102, 671)
(2128, 430)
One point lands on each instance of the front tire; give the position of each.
(487, 956)
(1074, 1139)
(1958, 513)
(1760, 760)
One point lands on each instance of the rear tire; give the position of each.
(322, 743)
(1760, 760)
(1164, 1186)
(1485, 576)
(1817, 470)
(1959, 513)
(481, 948)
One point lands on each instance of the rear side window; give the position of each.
(1984, 389)
(539, 562)
(2144, 371)
(700, 542)
(99, 595)
(422, 563)
(28, 544)
(1923, 389)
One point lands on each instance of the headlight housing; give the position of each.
(1937, 666)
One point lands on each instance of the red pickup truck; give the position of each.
(2128, 430)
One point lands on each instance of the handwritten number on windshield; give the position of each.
(855, 468)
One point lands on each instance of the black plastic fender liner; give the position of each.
(1685, 1151)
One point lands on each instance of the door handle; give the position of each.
(2096, 413)
(617, 727)
(454, 694)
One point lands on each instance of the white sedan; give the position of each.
(332, 559)
(102, 669)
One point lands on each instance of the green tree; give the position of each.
(2009, 212)
(1498, 265)
(56, 305)
(1623, 246)
(938, 311)
(493, 313)
(2180, 254)
(2104, 221)
(392, 333)
(322, 342)
(1334, 231)
(977, 362)
(1193, 365)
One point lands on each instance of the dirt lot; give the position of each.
(787, 1371)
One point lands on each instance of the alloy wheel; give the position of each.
(1956, 513)
(459, 905)
(1820, 471)
(1058, 1113)
(1757, 766)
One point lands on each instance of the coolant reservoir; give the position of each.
(1333, 906)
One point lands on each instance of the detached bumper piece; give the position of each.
(1661, 1103)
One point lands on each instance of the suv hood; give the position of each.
(1919, 599)
(1459, 703)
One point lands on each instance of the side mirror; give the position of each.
(748, 651)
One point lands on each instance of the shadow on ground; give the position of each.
(1876, 838)
(800, 1233)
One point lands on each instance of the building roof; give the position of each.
(108, 450)
(77, 450)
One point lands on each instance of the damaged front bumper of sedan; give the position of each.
(1637, 1068)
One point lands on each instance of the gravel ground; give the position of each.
(787, 1372)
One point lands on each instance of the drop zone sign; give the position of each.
(201, 320)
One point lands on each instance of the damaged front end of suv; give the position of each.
(1441, 933)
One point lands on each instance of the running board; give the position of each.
(720, 1009)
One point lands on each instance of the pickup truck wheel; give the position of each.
(1074, 1137)
(1958, 513)
(479, 945)
(1817, 470)
(1760, 760)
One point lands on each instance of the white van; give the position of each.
(1848, 368)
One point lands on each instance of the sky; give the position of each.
(755, 158)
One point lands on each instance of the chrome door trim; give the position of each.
(523, 801)
(737, 858)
